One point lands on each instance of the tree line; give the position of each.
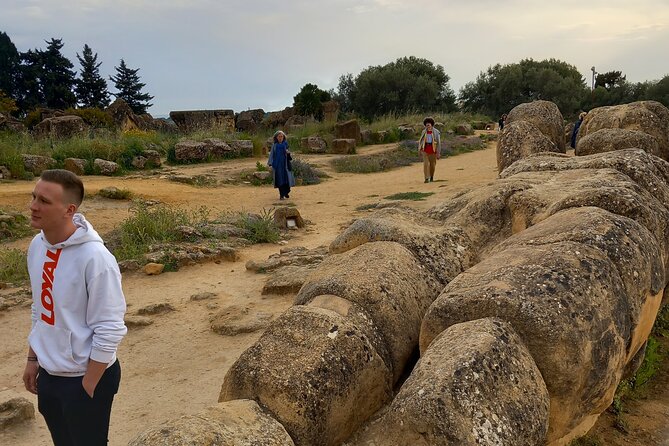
(411, 85)
(46, 78)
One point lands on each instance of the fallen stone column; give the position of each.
(476, 384)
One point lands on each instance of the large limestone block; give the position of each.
(645, 116)
(321, 372)
(581, 303)
(189, 151)
(545, 116)
(608, 140)
(387, 281)
(191, 120)
(444, 251)
(36, 164)
(520, 139)
(61, 127)
(348, 130)
(477, 384)
(233, 423)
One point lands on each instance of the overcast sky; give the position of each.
(204, 54)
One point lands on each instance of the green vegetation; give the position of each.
(413, 196)
(378, 162)
(13, 225)
(306, 172)
(309, 101)
(655, 358)
(114, 193)
(259, 228)
(149, 225)
(13, 266)
(586, 441)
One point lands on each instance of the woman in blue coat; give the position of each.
(279, 160)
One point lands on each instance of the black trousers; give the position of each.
(73, 417)
(284, 190)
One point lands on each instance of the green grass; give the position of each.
(586, 441)
(413, 196)
(13, 266)
(114, 193)
(13, 225)
(378, 162)
(258, 228)
(150, 225)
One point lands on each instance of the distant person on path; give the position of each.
(279, 160)
(77, 315)
(502, 121)
(429, 146)
(577, 126)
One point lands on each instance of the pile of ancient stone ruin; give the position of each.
(506, 315)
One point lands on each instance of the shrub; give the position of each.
(260, 228)
(13, 225)
(92, 116)
(378, 162)
(306, 172)
(13, 266)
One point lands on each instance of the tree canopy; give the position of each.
(129, 88)
(409, 84)
(91, 88)
(502, 87)
(309, 101)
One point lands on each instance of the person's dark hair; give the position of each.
(428, 119)
(73, 187)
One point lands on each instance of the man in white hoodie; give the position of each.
(77, 315)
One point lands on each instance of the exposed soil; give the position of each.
(176, 365)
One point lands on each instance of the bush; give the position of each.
(149, 225)
(413, 196)
(92, 116)
(259, 228)
(13, 266)
(13, 225)
(378, 162)
(306, 172)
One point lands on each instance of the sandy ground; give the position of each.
(176, 366)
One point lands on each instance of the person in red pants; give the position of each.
(429, 146)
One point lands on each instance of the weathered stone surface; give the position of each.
(343, 146)
(15, 411)
(348, 130)
(249, 120)
(152, 158)
(61, 127)
(216, 148)
(313, 144)
(138, 162)
(242, 147)
(297, 256)
(407, 131)
(75, 165)
(236, 320)
(644, 116)
(330, 111)
(476, 384)
(284, 213)
(153, 269)
(277, 119)
(570, 292)
(262, 175)
(464, 129)
(203, 296)
(545, 116)
(153, 309)
(189, 151)
(518, 140)
(233, 423)
(104, 167)
(36, 164)
(319, 371)
(8, 122)
(128, 265)
(188, 121)
(137, 321)
(125, 119)
(395, 293)
(444, 251)
(297, 122)
(287, 280)
(5, 173)
(608, 140)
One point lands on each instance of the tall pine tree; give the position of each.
(57, 79)
(129, 88)
(29, 94)
(9, 65)
(91, 88)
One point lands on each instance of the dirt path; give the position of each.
(176, 366)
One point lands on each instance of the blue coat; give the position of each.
(278, 160)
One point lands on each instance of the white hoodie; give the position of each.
(78, 304)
